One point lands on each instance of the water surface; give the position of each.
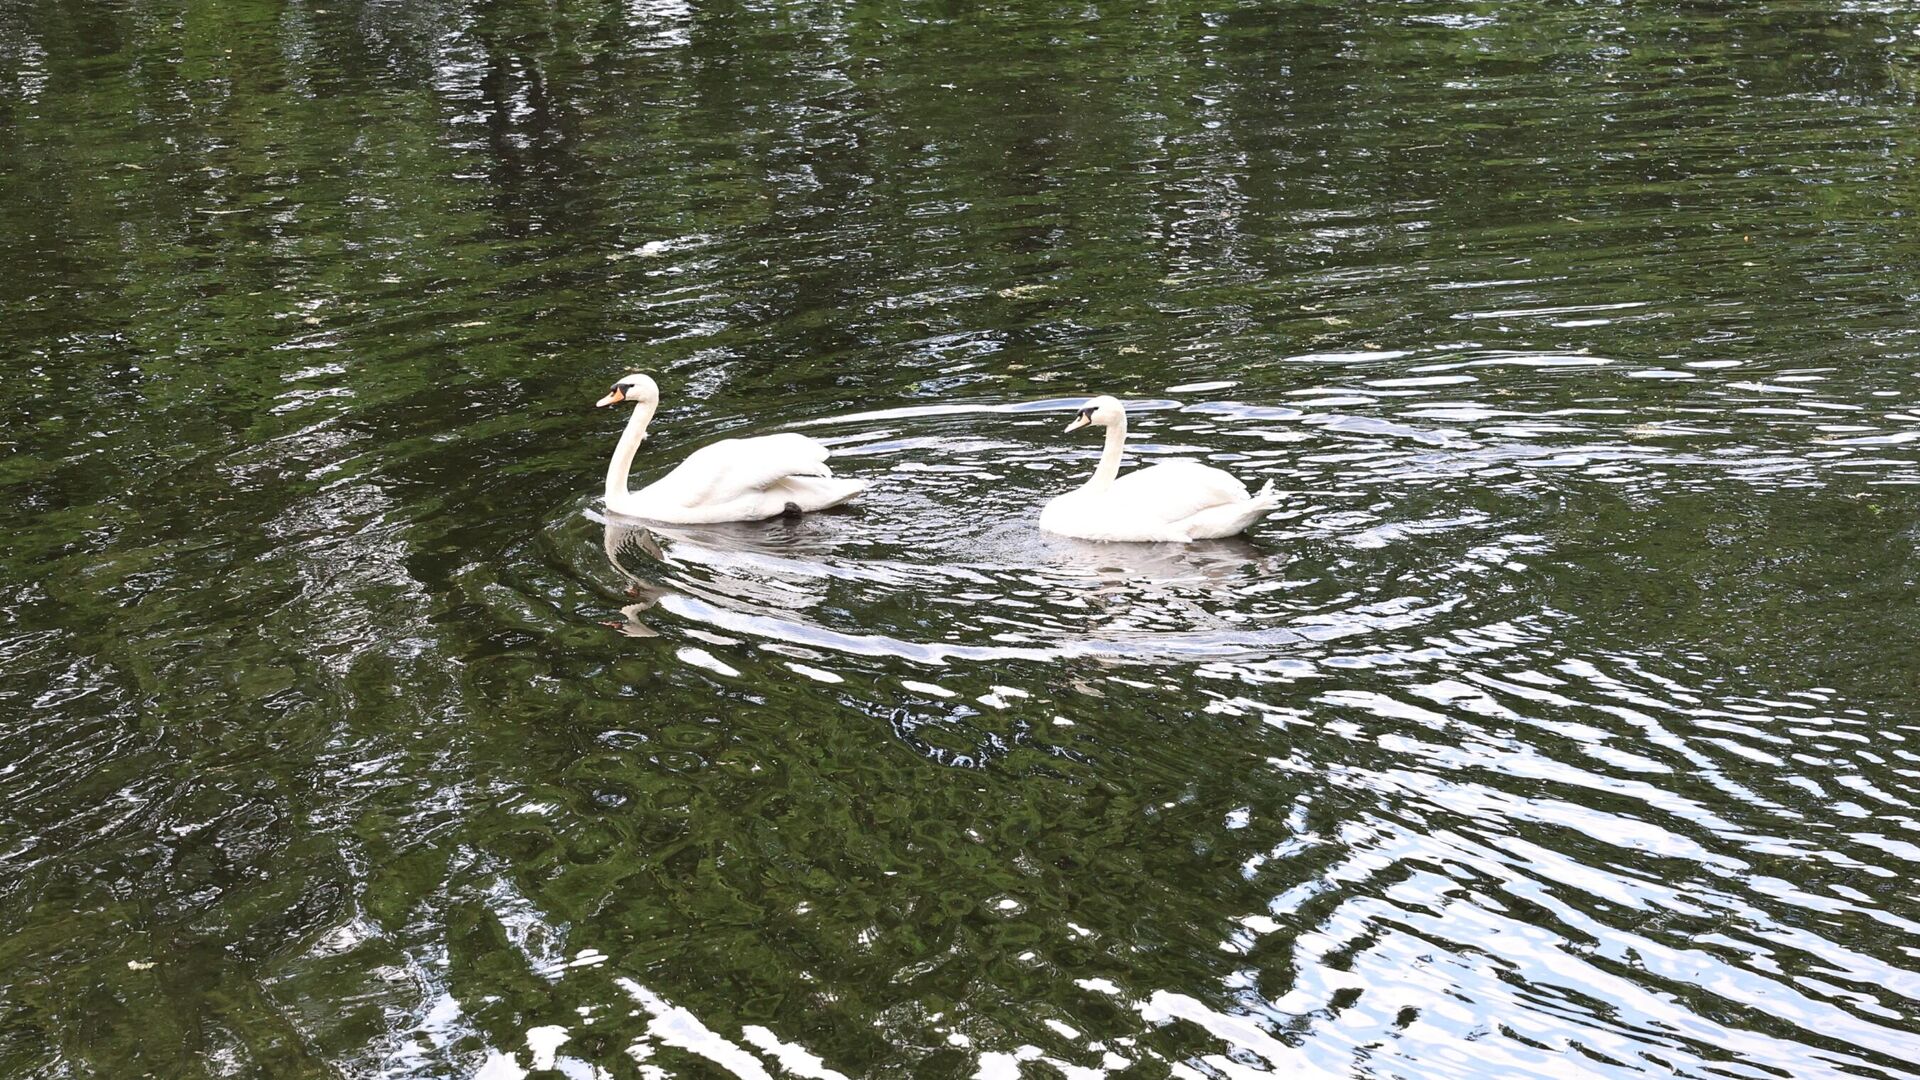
(1563, 721)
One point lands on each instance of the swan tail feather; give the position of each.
(821, 492)
(1233, 518)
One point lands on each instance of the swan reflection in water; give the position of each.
(614, 538)
(1013, 592)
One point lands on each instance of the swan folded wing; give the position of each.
(1176, 490)
(733, 468)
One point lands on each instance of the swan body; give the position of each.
(731, 480)
(1176, 502)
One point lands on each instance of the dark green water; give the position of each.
(1565, 722)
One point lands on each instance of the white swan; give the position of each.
(731, 480)
(1175, 502)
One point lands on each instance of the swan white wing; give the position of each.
(1175, 490)
(731, 468)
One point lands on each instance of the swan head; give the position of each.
(636, 388)
(1103, 411)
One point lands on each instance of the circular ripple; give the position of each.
(942, 558)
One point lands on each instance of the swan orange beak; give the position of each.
(614, 397)
(1079, 422)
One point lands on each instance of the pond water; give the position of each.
(1564, 721)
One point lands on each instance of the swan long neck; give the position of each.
(1103, 476)
(629, 445)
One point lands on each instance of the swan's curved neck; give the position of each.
(623, 453)
(1103, 476)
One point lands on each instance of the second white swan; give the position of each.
(1175, 502)
(731, 480)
